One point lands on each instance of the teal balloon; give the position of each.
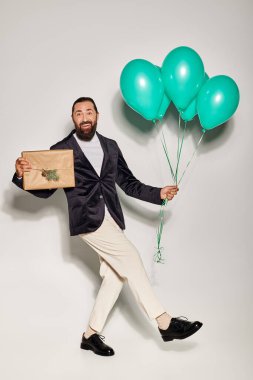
(163, 107)
(217, 101)
(191, 111)
(183, 74)
(142, 87)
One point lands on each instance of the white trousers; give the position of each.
(119, 262)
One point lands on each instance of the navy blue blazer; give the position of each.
(86, 201)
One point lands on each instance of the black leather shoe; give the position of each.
(95, 343)
(179, 329)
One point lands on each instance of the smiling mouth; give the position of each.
(85, 126)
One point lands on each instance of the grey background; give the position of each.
(55, 51)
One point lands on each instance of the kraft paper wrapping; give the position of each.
(51, 169)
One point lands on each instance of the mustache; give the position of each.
(85, 123)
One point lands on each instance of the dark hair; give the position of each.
(84, 99)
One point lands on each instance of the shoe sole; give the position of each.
(87, 347)
(169, 338)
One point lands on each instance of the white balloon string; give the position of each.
(195, 151)
(166, 153)
(180, 150)
(178, 137)
(158, 256)
(168, 159)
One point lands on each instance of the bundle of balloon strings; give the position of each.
(158, 256)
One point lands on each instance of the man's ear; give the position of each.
(97, 115)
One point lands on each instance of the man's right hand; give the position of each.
(22, 166)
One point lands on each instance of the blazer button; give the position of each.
(100, 196)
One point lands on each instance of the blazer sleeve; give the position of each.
(132, 186)
(37, 193)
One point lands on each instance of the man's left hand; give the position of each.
(168, 192)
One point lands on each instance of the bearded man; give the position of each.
(95, 214)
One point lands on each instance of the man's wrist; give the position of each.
(18, 176)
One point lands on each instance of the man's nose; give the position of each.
(83, 119)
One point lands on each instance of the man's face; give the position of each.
(85, 119)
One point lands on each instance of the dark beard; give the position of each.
(86, 136)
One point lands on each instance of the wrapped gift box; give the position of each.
(51, 169)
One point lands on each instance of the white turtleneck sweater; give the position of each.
(94, 152)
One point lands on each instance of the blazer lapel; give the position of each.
(106, 153)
